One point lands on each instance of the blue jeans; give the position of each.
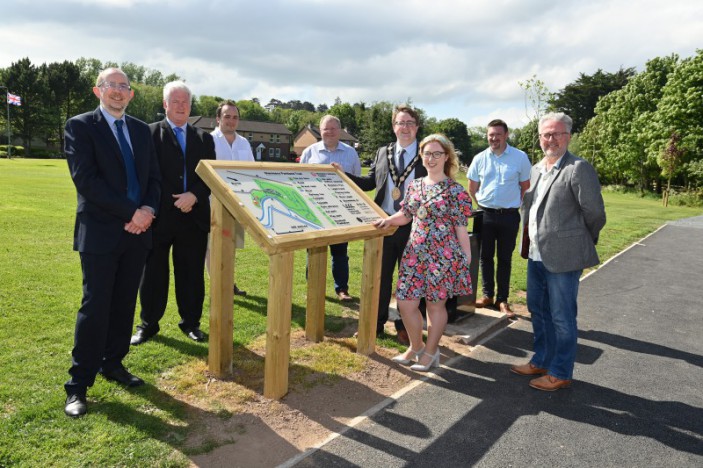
(340, 267)
(551, 299)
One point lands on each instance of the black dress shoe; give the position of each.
(195, 334)
(123, 376)
(239, 292)
(76, 405)
(141, 336)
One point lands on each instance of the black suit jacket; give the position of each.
(199, 145)
(98, 172)
(377, 178)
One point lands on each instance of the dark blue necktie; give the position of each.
(130, 167)
(182, 141)
(401, 168)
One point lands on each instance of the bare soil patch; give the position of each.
(236, 426)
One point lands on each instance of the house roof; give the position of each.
(209, 124)
(343, 134)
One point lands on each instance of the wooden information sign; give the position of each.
(287, 207)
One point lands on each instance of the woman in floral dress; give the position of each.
(435, 264)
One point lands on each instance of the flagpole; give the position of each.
(7, 104)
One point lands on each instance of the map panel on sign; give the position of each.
(288, 202)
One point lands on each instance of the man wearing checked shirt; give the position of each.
(327, 151)
(498, 178)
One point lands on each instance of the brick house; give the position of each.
(268, 140)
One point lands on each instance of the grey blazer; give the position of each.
(569, 217)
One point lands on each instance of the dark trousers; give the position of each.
(189, 244)
(340, 266)
(393, 248)
(104, 321)
(498, 237)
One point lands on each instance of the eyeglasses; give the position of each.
(555, 135)
(112, 85)
(433, 155)
(409, 124)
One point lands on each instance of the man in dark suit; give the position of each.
(184, 220)
(395, 166)
(113, 165)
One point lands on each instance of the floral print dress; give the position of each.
(433, 265)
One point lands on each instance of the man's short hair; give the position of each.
(227, 102)
(559, 117)
(408, 110)
(109, 71)
(498, 123)
(330, 117)
(174, 85)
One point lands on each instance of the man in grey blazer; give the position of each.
(564, 213)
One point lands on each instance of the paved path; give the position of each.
(637, 398)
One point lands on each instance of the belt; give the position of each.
(500, 210)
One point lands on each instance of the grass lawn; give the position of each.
(40, 291)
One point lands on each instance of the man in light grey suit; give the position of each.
(564, 213)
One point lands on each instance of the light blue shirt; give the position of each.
(344, 155)
(499, 177)
(111, 122)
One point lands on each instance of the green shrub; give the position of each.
(16, 150)
(692, 198)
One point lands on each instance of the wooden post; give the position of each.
(221, 293)
(370, 289)
(278, 324)
(317, 285)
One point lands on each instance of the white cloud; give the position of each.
(453, 58)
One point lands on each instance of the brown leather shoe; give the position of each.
(485, 301)
(403, 337)
(504, 307)
(344, 296)
(528, 369)
(549, 383)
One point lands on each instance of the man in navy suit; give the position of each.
(394, 168)
(113, 165)
(184, 220)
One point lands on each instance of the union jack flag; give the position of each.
(14, 99)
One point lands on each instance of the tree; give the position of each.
(537, 98)
(670, 162)
(68, 95)
(377, 129)
(626, 124)
(322, 108)
(147, 103)
(527, 140)
(680, 111)
(579, 99)
(345, 113)
(458, 133)
(28, 82)
(249, 110)
(299, 119)
(206, 106)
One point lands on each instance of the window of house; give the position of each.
(271, 138)
(250, 136)
(270, 152)
(278, 152)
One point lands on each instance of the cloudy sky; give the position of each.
(453, 58)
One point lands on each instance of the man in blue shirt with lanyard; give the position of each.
(327, 151)
(498, 178)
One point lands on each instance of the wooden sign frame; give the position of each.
(227, 211)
